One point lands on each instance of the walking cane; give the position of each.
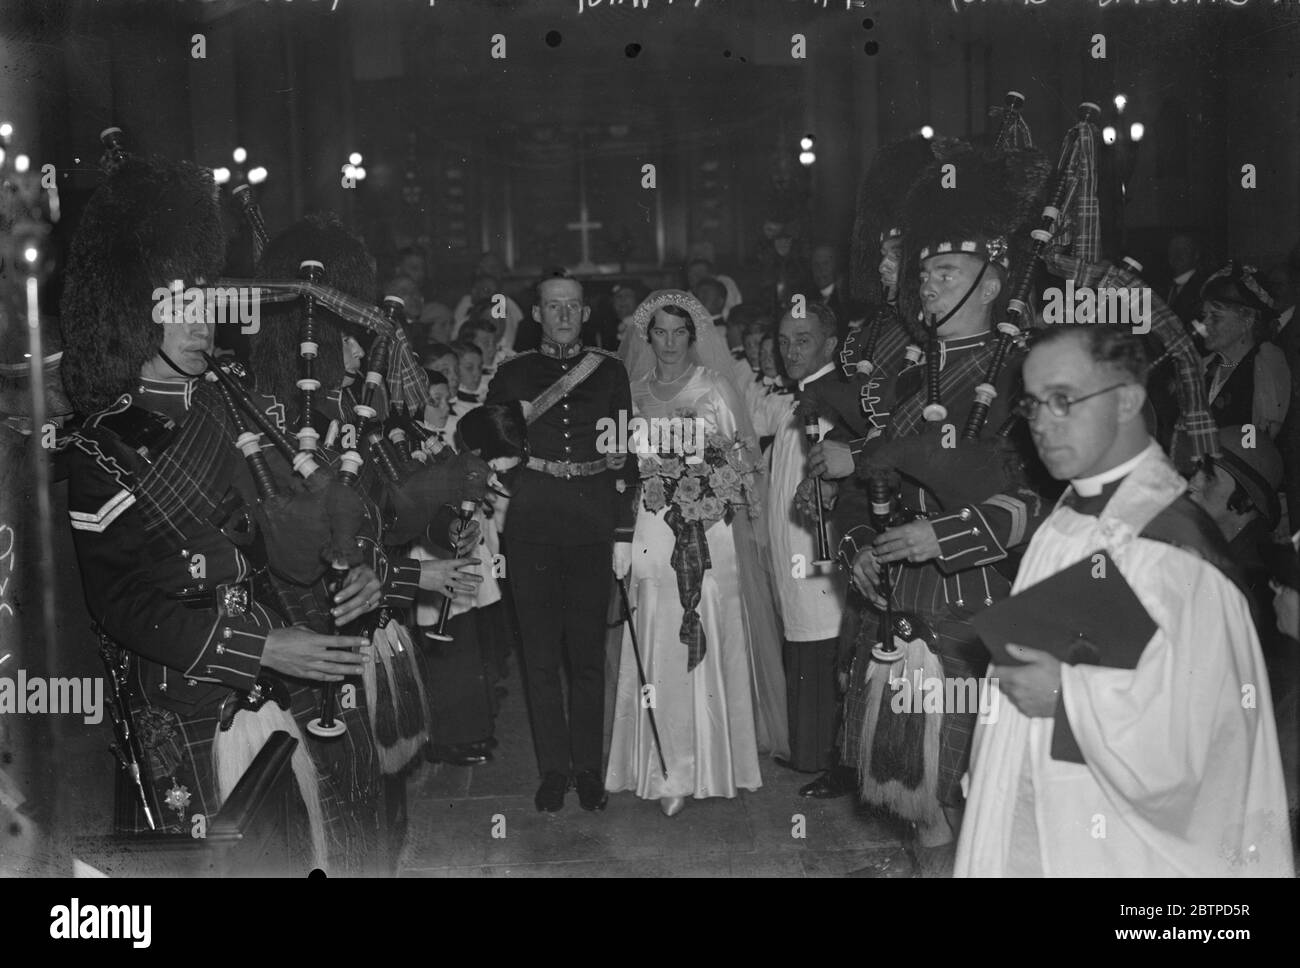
(640, 671)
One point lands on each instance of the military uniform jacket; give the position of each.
(976, 538)
(553, 510)
(191, 656)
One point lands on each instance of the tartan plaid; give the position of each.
(179, 493)
(1079, 228)
(957, 381)
(1194, 423)
(1075, 252)
(405, 376)
(179, 753)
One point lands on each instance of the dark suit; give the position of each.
(558, 534)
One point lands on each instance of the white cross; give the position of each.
(584, 223)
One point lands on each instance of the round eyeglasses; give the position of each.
(1058, 404)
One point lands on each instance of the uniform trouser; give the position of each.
(561, 597)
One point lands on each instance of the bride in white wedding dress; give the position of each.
(709, 650)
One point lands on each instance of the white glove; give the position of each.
(622, 559)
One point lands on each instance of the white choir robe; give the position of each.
(1182, 774)
(810, 606)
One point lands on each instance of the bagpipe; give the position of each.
(402, 488)
(973, 467)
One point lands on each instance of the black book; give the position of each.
(1087, 614)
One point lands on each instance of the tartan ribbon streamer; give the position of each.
(690, 559)
(405, 377)
(1079, 230)
(1075, 252)
(1017, 136)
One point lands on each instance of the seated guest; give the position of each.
(736, 323)
(435, 321)
(698, 269)
(488, 288)
(625, 298)
(754, 327)
(1283, 284)
(482, 331)
(411, 264)
(1153, 771)
(473, 388)
(1189, 275)
(1239, 491)
(437, 413)
(774, 378)
(827, 277)
(442, 358)
(713, 295)
(1246, 379)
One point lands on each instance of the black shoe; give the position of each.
(591, 790)
(550, 795)
(483, 745)
(827, 786)
(457, 755)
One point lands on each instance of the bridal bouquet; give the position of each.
(705, 484)
(699, 485)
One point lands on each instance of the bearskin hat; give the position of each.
(150, 223)
(983, 206)
(273, 355)
(879, 208)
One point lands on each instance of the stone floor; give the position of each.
(481, 822)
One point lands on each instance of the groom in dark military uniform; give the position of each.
(571, 504)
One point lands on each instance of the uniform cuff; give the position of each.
(232, 651)
(624, 534)
(402, 583)
(965, 540)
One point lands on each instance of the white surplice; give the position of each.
(811, 605)
(1182, 774)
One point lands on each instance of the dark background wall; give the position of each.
(713, 99)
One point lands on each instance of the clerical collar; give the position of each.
(560, 351)
(815, 376)
(1092, 486)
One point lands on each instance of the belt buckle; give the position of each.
(233, 598)
(568, 469)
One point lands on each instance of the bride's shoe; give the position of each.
(672, 806)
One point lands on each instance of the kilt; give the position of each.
(920, 590)
(179, 752)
